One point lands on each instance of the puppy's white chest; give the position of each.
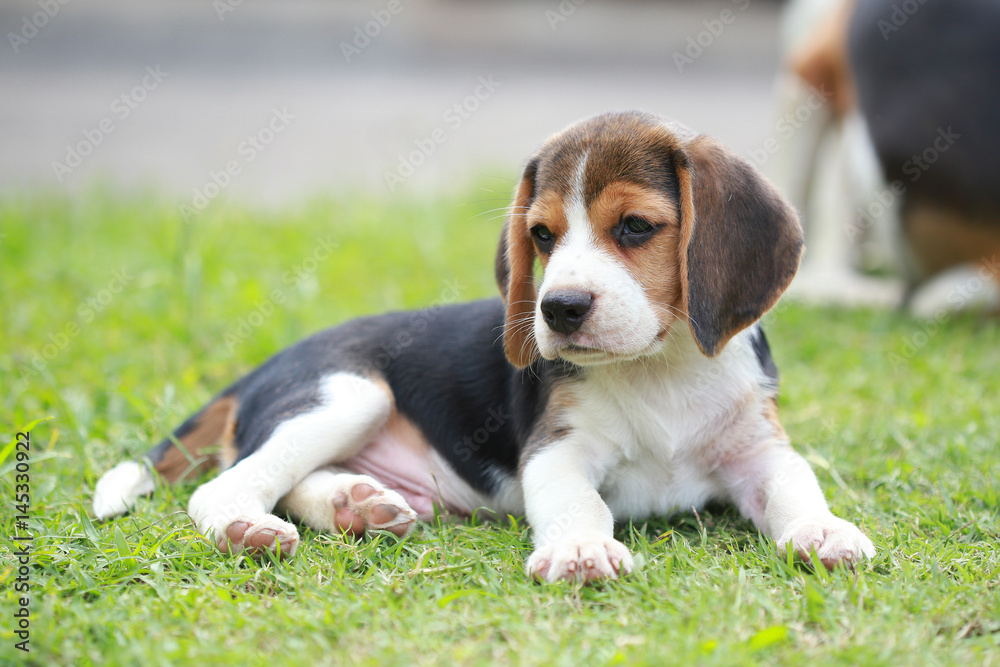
(653, 436)
(651, 453)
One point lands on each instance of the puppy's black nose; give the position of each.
(566, 310)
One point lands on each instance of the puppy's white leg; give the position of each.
(571, 524)
(333, 500)
(234, 508)
(778, 491)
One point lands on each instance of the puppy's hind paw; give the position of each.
(255, 536)
(364, 504)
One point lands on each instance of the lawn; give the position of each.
(119, 318)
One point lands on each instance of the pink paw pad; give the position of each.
(268, 534)
(368, 508)
(586, 558)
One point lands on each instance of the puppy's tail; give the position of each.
(174, 459)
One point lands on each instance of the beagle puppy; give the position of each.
(631, 380)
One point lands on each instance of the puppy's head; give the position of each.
(638, 224)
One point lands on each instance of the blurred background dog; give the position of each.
(896, 173)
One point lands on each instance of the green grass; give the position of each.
(905, 442)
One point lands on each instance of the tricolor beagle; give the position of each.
(632, 380)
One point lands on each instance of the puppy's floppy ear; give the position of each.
(740, 243)
(515, 275)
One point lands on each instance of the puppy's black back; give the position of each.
(447, 372)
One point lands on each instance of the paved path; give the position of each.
(166, 94)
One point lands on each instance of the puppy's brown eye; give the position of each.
(633, 225)
(633, 231)
(542, 233)
(544, 237)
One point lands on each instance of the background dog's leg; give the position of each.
(234, 508)
(334, 500)
(571, 524)
(778, 491)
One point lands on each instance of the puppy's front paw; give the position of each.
(582, 558)
(837, 542)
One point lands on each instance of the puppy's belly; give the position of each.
(401, 459)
